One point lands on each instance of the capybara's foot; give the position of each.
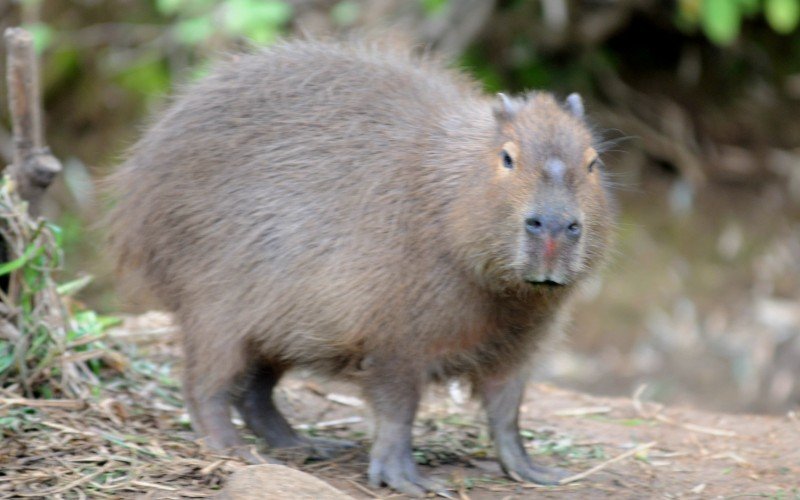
(324, 448)
(401, 475)
(535, 473)
(251, 455)
(313, 448)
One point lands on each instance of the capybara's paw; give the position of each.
(323, 448)
(538, 474)
(250, 454)
(402, 476)
(308, 448)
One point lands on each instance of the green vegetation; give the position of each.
(721, 20)
(50, 346)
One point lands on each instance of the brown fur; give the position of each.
(344, 208)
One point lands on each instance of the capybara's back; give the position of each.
(365, 214)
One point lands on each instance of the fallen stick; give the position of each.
(599, 467)
(638, 405)
(69, 404)
(695, 428)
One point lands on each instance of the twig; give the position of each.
(68, 429)
(345, 400)
(70, 404)
(69, 486)
(696, 428)
(363, 488)
(340, 422)
(601, 466)
(34, 167)
(145, 484)
(583, 411)
(208, 469)
(8, 331)
(638, 405)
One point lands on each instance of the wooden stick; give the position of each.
(599, 467)
(69, 404)
(33, 167)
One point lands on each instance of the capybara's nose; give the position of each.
(539, 224)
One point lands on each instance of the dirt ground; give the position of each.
(671, 452)
(133, 440)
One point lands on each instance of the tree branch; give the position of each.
(33, 167)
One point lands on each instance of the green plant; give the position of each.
(721, 20)
(199, 20)
(47, 347)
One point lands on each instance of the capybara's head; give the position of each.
(548, 216)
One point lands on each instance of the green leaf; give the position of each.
(345, 13)
(42, 36)
(262, 35)
(782, 15)
(168, 7)
(433, 7)
(148, 76)
(258, 20)
(749, 7)
(108, 321)
(63, 64)
(31, 252)
(6, 356)
(58, 234)
(237, 16)
(720, 20)
(273, 13)
(194, 31)
(72, 287)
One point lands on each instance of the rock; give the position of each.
(272, 481)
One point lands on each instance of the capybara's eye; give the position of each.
(508, 162)
(593, 164)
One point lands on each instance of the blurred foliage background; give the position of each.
(701, 97)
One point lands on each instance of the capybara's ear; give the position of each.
(505, 108)
(574, 104)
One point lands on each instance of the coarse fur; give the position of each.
(344, 207)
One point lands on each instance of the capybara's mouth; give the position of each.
(546, 283)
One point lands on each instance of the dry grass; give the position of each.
(45, 349)
(79, 414)
(129, 439)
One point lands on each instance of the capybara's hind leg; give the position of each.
(211, 418)
(207, 388)
(257, 407)
(214, 420)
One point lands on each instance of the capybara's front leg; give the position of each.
(502, 396)
(394, 392)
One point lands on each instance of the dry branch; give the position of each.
(70, 404)
(601, 466)
(33, 167)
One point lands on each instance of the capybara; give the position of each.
(367, 214)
